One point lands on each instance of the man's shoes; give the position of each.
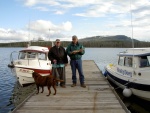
(73, 85)
(83, 85)
(63, 86)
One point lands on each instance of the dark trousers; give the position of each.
(77, 64)
(59, 73)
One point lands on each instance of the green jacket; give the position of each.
(71, 47)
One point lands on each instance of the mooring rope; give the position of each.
(125, 84)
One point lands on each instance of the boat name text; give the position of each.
(124, 72)
(26, 71)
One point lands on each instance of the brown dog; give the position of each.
(42, 81)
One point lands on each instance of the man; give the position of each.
(59, 60)
(75, 51)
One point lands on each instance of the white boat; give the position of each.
(32, 58)
(132, 72)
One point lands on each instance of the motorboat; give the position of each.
(132, 72)
(32, 58)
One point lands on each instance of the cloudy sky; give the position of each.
(23, 20)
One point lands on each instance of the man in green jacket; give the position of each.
(75, 51)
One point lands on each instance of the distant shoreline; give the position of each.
(89, 44)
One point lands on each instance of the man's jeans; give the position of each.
(77, 64)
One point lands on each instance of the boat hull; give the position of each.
(24, 74)
(140, 90)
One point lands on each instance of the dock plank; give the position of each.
(97, 97)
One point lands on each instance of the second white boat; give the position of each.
(132, 72)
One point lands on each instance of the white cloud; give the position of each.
(44, 26)
(42, 8)
(96, 10)
(36, 29)
(36, 2)
(93, 8)
(59, 12)
(30, 2)
(67, 26)
(117, 10)
(99, 6)
(13, 35)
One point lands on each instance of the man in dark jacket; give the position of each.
(75, 51)
(59, 60)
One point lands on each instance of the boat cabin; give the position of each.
(33, 56)
(137, 58)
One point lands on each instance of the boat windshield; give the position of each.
(121, 61)
(31, 55)
(145, 61)
(22, 55)
(128, 61)
(42, 56)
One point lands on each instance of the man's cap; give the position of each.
(57, 40)
(74, 36)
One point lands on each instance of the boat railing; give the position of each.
(11, 65)
(122, 52)
(11, 56)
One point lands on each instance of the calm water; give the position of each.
(7, 80)
(102, 57)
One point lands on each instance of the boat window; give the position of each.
(148, 57)
(145, 61)
(121, 61)
(22, 55)
(31, 55)
(41, 56)
(128, 61)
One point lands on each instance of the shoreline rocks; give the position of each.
(20, 93)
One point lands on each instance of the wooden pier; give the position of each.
(97, 97)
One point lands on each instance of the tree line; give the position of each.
(99, 44)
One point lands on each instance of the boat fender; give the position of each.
(105, 73)
(127, 92)
(110, 65)
(11, 65)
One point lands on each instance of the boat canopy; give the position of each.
(136, 52)
(36, 49)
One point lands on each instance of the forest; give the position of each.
(92, 44)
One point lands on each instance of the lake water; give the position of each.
(102, 57)
(7, 80)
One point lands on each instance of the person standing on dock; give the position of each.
(75, 50)
(59, 60)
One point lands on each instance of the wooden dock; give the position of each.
(97, 97)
